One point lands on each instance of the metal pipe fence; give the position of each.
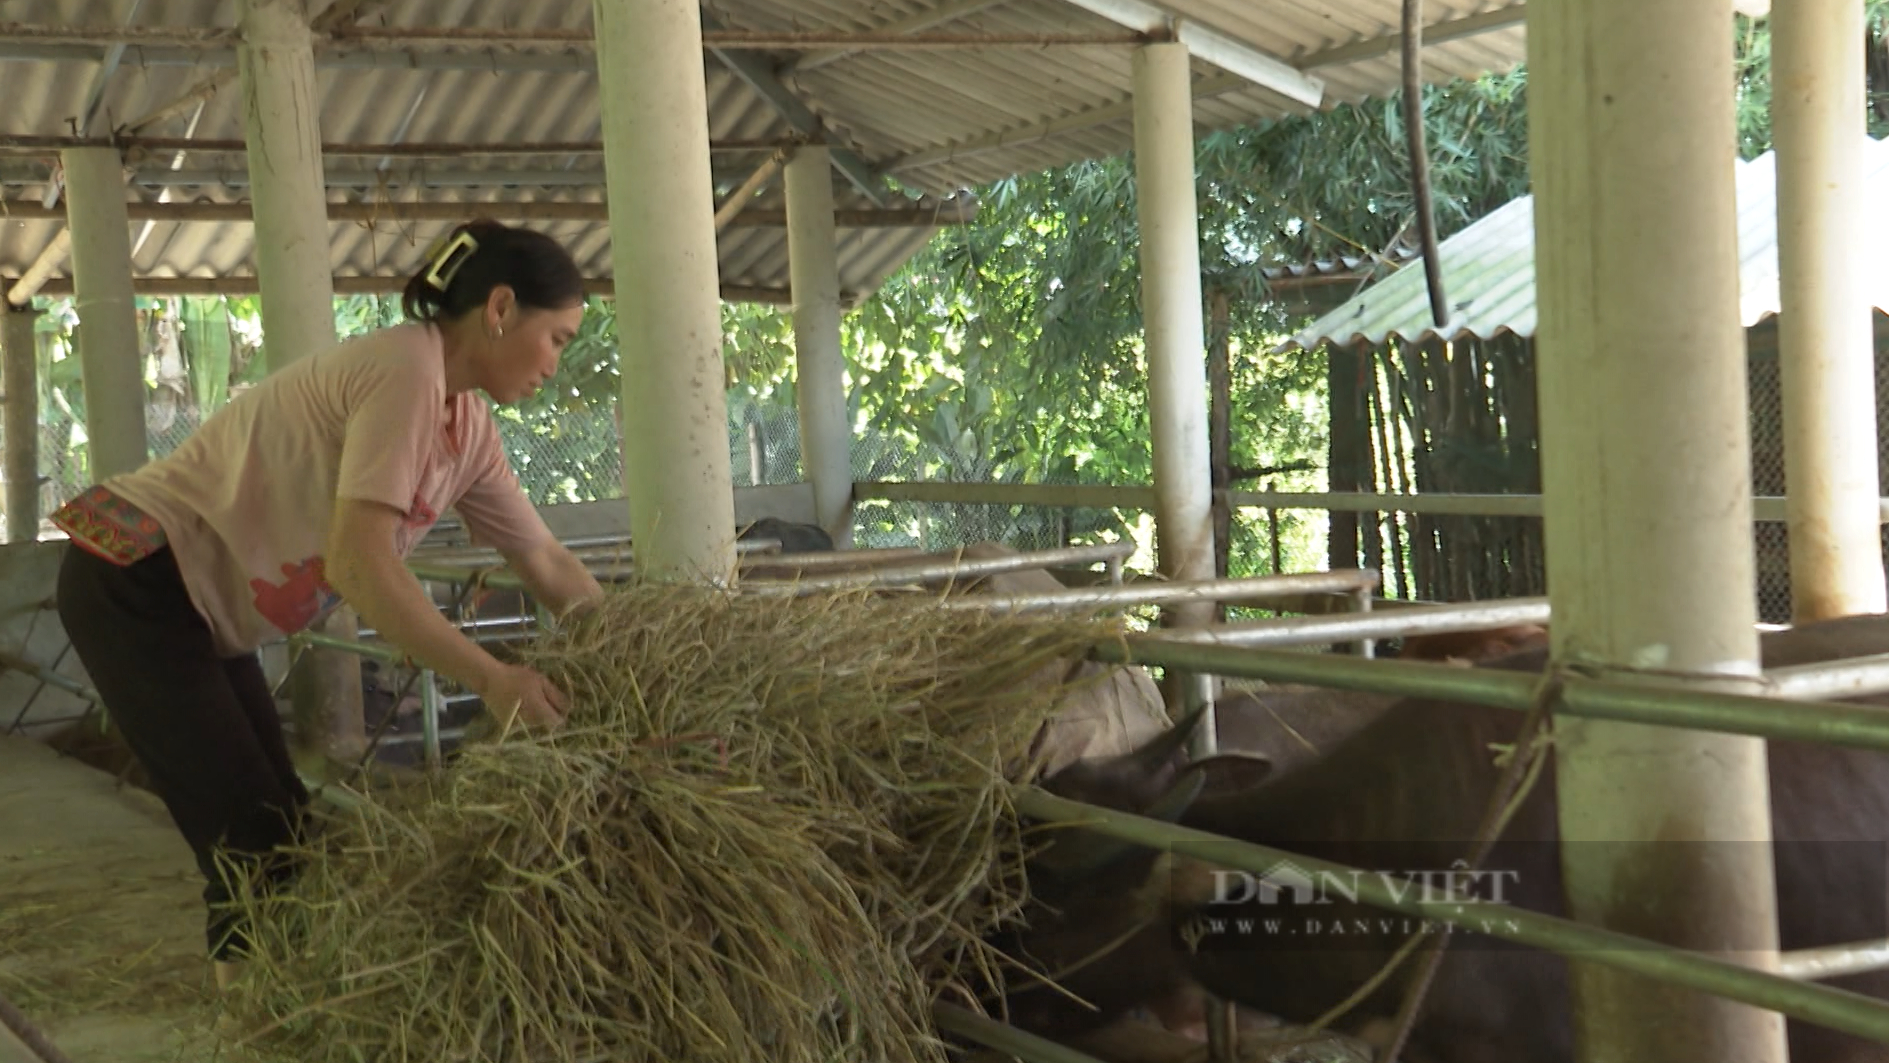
(1864, 726)
(1838, 1009)
(1834, 961)
(943, 570)
(1232, 650)
(1157, 592)
(1320, 630)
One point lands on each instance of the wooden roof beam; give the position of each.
(759, 75)
(34, 143)
(924, 20)
(874, 218)
(246, 284)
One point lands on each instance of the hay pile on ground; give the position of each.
(774, 828)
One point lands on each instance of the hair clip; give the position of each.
(443, 265)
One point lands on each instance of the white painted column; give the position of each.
(111, 361)
(276, 60)
(1648, 513)
(676, 470)
(1825, 336)
(813, 264)
(1174, 325)
(1172, 317)
(282, 126)
(21, 354)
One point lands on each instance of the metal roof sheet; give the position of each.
(938, 121)
(1489, 269)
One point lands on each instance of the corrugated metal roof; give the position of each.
(938, 121)
(1344, 266)
(1489, 269)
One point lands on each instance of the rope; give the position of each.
(1521, 769)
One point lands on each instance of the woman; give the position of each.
(308, 490)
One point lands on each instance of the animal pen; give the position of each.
(1425, 410)
(1646, 479)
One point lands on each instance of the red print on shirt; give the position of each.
(420, 517)
(421, 514)
(295, 602)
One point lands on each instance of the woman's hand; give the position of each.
(512, 691)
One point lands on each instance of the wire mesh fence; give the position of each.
(1430, 419)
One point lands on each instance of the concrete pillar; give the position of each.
(20, 351)
(1172, 317)
(1648, 513)
(111, 360)
(1825, 334)
(1172, 320)
(813, 262)
(276, 60)
(676, 465)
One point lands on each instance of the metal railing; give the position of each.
(1838, 1009)
(1098, 496)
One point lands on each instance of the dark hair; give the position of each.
(479, 256)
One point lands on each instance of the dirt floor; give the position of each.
(101, 914)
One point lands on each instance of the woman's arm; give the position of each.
(361, 565)
(554, 576)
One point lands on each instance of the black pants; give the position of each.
(204, 726)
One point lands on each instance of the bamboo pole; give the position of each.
(50, 258)
(1220, 431)
(743, 197)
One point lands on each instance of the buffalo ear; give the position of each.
(1081, 852)
(1077, 851)
(1230, 772)
(1167, 746)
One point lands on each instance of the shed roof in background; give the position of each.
(1489, 269)
(937, 119)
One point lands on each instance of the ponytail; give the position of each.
(462, 269)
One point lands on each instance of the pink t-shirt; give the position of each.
(247, 500)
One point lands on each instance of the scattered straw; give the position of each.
(85, 952)
(773, 828)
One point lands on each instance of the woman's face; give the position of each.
(526, 343)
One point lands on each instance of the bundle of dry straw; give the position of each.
(773, 828)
